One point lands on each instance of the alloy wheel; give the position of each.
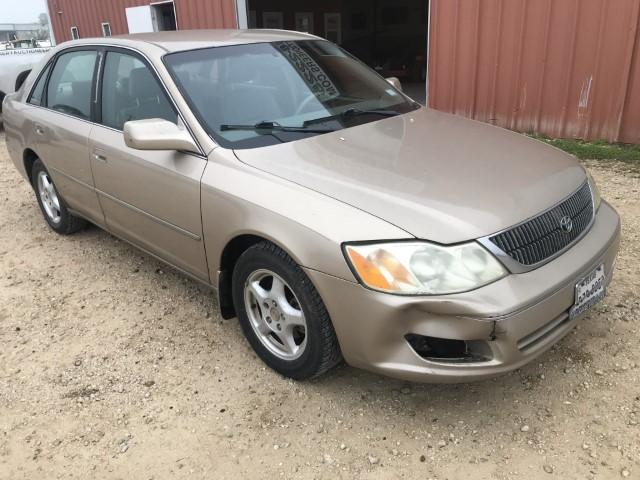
(275, 314)
(49, 197)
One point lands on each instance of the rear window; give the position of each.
(69, 88)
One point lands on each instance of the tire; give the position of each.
(260, 270)
(53, 207)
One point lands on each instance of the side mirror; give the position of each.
(395, 82)
(157, 134)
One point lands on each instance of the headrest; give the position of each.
(143, 84)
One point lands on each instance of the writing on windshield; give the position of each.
(313, 75)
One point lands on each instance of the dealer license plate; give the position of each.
(589, 291)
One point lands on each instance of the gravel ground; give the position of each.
(114, 366)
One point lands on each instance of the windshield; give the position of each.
(261, 94)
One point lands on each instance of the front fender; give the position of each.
(238, 199)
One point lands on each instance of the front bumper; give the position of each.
(515, 319)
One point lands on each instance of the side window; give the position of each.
(131, 91)
(69, 88)
(37, 93)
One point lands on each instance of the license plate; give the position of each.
(589, 291)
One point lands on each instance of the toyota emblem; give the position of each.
(566, 224)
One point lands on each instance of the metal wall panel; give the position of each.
(630, 120)
(88, 15)
(206, 14)
(565, 68)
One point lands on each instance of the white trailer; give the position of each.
(15, 64)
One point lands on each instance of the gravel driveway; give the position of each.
(114, 366)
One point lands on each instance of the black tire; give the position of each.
(68, 223)
(322, 350)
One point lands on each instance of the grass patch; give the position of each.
(598, 150)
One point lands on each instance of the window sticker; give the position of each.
(309, 70)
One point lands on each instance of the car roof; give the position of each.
(175, 41)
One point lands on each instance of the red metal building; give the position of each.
(89, 16)
(565, 68)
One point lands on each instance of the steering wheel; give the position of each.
(69, 109)
(305, 103)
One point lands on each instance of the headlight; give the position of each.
(595, 193)
(421, 268)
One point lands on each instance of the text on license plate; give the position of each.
(589, 291)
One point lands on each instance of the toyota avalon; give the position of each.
(335, 217)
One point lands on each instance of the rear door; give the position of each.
(60, 117)
(151, 198)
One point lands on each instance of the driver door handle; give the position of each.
(99, 155)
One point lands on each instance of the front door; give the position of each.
(151, 198)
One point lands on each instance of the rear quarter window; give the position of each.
(21, 78)
(37, 93)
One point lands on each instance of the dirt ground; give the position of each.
(114, 366)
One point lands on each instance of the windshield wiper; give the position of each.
(268, 127)
(351, 112)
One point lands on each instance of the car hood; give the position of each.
(437, 176)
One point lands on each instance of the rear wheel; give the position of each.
(282, 314)
(53, 207)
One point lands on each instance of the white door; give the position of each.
(139, 19)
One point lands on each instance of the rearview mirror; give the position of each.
(395, 82)
(157, 134)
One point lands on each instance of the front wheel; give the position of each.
(282, 314)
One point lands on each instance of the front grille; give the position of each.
(542, 237)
